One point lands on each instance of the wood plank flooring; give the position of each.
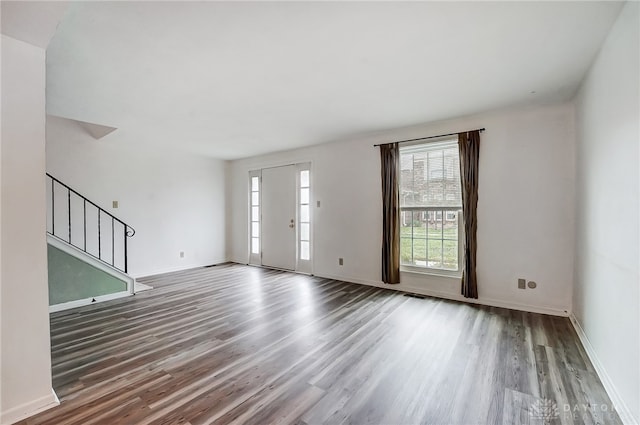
(245, 345)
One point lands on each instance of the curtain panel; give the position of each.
(469, 147)
(390, 165)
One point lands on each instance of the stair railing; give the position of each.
(101, 234)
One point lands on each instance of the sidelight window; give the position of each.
(254, 217)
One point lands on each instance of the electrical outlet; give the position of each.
(341, 261)
(532, 284)
(522, 283)
(181, 254)
(115, 204)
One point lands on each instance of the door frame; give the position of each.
(301, 266)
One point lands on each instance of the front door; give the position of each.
(279, 217)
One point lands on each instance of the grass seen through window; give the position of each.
(432, 244)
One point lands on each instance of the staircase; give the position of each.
(88, 249)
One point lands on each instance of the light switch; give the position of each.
(318, 204)
(115, 204)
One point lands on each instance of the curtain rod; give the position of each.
(430, 137)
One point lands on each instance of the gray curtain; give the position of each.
(469, 147)
(389, 161)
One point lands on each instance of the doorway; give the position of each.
(280, 217)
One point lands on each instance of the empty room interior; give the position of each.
(320, 213)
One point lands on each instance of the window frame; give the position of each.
(421, 146)
(304, 265)
(254, 258)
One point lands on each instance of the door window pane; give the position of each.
(304, 250)
(304, 178)
(304, 195)
(304, 231)
(304, 213)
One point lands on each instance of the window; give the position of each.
(430, 207)
(305, 216)
(254, 216)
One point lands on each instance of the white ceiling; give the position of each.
(235, 79)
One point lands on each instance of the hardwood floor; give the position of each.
(239, 344)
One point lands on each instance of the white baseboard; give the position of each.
(176, 269)
(29, 409)
(618, 403)
(455, 297)
(81, 303)
(140, 287)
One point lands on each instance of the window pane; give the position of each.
(304, 213)
(430, 175)
(255, 198)
(419, 252)
(304, 196)
(304, 178)
(435, 253)
(254, 184)
(419, 229)
(405, 249)
(450, 255)
(255, 213)
(450, 230)
(435, 225)
(405, 223)
(406, 162)
(304, 231)
(255, 229)
(255, 245)
(304, 250)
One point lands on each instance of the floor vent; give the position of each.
(422, 297)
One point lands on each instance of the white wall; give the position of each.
(26, 363)
(176, 202)
(525, 208)
(606, 298)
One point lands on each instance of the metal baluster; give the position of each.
(113, 243)
(99, 239)
(125, 248)
(127, 231)
(53, 207)
(84, 213)
(69, 211)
